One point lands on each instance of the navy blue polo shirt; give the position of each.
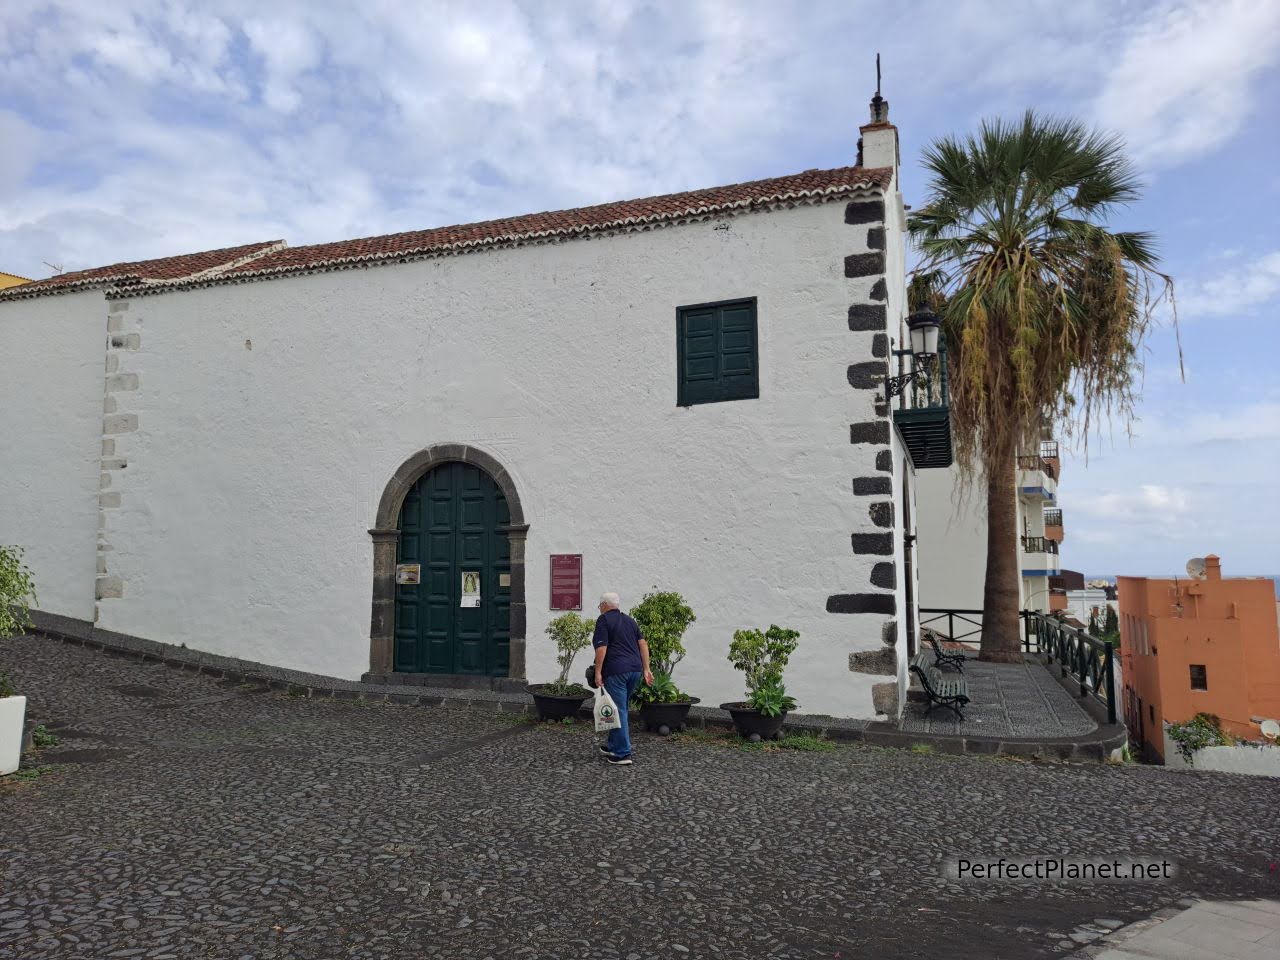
(621, 634)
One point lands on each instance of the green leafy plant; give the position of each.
(663, 618)
(1202, 730)
(17, 592)
(763, 656)
(571, 633)
(6, 686)
(662, 690)
(771, 700)
(42, 737)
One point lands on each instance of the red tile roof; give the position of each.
(261, 260)
(185, 267)
(809, 186)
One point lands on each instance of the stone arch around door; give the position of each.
(386, 534)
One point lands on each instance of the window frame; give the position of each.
(1204, 675)
(682, 399)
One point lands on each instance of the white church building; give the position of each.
(362, 459)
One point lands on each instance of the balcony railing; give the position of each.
(1049, 449)
(1088, 661)
(1035, 462)
(923, 414)
(1039, 545)
(1053, 517)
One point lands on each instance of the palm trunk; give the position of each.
(1001, 636)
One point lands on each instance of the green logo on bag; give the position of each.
(606, 711)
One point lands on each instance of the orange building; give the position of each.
(1200, 645)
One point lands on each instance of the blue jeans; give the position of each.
(621, 686)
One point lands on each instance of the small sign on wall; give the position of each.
(566, 581)
(470, 588)
(408, 573)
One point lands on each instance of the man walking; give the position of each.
(622, 659)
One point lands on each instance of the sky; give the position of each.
(141, 128)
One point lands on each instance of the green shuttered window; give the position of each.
(717, 352)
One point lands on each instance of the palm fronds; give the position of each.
(1045, 310)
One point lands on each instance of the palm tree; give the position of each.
(1043, 308)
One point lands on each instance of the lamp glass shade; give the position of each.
(923, 326)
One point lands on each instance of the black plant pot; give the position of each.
(665, 718)
(551, 706)
(749, 721)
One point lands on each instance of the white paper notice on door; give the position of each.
(470, 588)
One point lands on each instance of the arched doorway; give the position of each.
(453, 511)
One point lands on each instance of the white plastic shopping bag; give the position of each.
(606, 711)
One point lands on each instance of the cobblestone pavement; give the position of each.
(1007, 700)
(183, 817)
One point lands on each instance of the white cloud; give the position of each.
(1149, 500)
(1236, 289)
(1182, 84)
(1243, 423)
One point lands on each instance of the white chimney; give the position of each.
(879, 143)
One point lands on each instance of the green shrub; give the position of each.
(763, 656)
(17, 592)
(663, 618)
(1202, 730)
(662, 690)
(570, 633)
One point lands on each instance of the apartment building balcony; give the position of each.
(1039, 557)
(1053, 524)
(1037, 478)
(1057, 599)
(923, 414)
(1049, 454)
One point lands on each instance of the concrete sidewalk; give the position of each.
(1234, 930)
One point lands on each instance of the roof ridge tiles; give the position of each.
(275, 258)
(158, 270)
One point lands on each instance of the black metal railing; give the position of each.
(926, 393)
(1049, 449)
(1039, 545)
(1053, 517)
(1090, 661)
(1032, 461)
(965, 626)
(923, 414)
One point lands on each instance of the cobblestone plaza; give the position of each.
(185, 817)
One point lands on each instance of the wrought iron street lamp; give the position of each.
(922, 326)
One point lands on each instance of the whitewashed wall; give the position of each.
(953, 541)
(272, 414)
(1255, 759)
(51, 395)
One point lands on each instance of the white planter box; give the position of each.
(12, 710)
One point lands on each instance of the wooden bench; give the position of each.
(940, 657)
(942, 691)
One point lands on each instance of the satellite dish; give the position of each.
(1270, 729)
(1195, 568)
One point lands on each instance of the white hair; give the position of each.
(610, 599)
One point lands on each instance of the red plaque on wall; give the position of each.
(566, 581)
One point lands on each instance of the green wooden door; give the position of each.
(453, 524)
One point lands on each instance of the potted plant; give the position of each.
(560, 698)
(663, 618)
(762, 656)
(16, 592)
